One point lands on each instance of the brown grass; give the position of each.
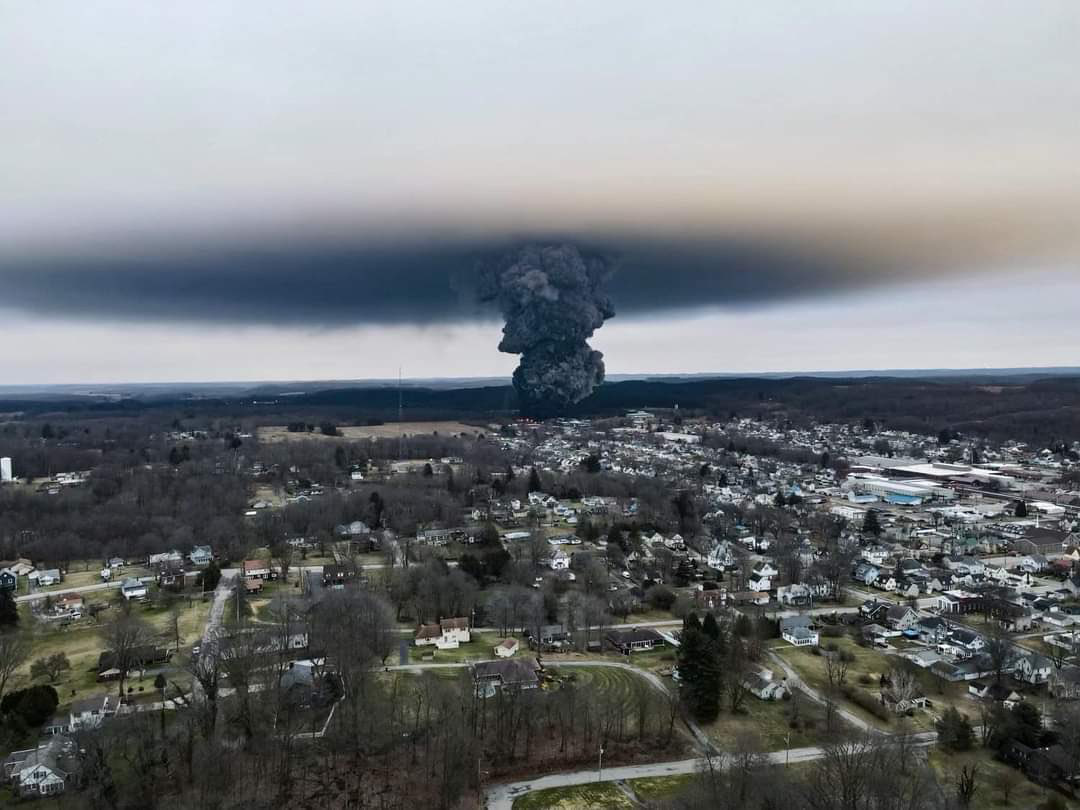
(391, 430)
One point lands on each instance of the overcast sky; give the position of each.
(209, 191)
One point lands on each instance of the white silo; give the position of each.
(5, 470)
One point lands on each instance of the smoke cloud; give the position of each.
(553, 300)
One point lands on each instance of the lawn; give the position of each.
(481, 648)
(864, 673)
(617, 688)
(660, 788)
(82, 643)
(579, 797)
(771, 722)
(988, 796)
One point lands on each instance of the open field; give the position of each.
(660, 788)
(988, 796)
(771, 723)
(864, 673)
(83, 643)
(278, 433)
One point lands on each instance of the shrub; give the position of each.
(31, 706)
(864, 700)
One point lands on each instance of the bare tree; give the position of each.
(965, 784)
(14, 650)
(125, 637)
(282, 555)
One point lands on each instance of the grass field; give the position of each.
(279, 433)
(481, 648)
(660, 788)
(617, 687)
(871, 663)
(83, 643)
(988, 793)
(770, 722)
(579, 797)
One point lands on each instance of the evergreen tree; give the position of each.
(9, 611)
(535, 484)
(871, 525)
(1020, 510)
(695, 657)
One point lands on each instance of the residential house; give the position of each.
(761, 577)
(506, 648)
(721, 557)
(548, 637)
(901, 617)
(1033, 668)
(517, 673)
(337, 575)
(559, 560)
(448, 634)
(932, 630)
(798, 595)
(9, 580)
(866, 574)
(995, 692)
(968, 640)
(634, 640)
(44, 579)
(257, 569)
(201, 555)
(798, 631)
(154, 560)
(46, 770)
(132, 588)
(83, 714)
(1064, 683)
(1033, 564)
(140, 658)
(762, 685)
(69, 604)
(873, 610)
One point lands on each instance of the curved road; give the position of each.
(501, 797)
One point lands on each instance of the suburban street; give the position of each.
(99, 586)
(501, 797)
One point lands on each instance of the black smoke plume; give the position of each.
(553, 300)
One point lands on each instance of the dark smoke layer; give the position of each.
(553, 300)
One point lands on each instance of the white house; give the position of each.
(797, 631)
(721, 556)
(447, 635)
(762, 685)
(559, 560)
(506, 648)
(132, 588)
(42, 771)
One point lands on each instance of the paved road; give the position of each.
(501, 797)
(217, 609)
(99, 586)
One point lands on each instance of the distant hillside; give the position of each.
(1040, 411)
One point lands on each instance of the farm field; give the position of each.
(391, 430)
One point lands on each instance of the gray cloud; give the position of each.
(358, 282)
